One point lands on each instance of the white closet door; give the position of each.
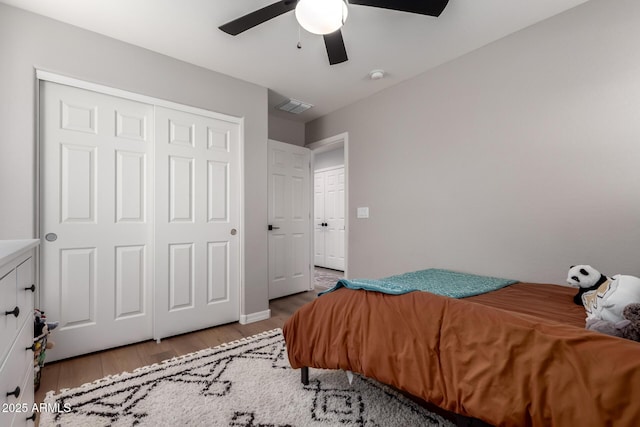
(334, 214)
(289, 215)
(197, 222)
(329, 218)
(319, 252)
(95, 211)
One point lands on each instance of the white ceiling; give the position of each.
(402, 44)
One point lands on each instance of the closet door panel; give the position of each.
(329, 215)
(131, 281)
(334, 212)
(131, 186)
(95, 197)
(318, 220)
(197, 219)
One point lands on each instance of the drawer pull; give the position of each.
(15, 393)
(15, 312)
(31, 288)
(32, 417)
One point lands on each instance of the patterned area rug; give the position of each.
(245, 383)
(326, 278)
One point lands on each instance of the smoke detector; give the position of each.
(376, 74)
(293, 106)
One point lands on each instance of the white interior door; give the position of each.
(334, 214)
(289, 219)
(197, 248)
(329, 218)
(319, 234)
(95, 213)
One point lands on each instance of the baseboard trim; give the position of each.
(254, 317)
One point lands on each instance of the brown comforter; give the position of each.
(495, 357)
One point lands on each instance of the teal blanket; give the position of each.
(441, 282)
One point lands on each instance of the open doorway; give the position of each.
(330, 201)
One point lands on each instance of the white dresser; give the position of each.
(17, 287)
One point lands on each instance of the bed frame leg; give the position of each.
(304, 375)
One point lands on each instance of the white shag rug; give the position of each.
(244, 383)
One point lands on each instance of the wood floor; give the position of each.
(83, 369)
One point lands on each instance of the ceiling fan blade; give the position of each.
(424, 7)
(336, 51)
(252, 19)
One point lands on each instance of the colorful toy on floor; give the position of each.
(41, 331)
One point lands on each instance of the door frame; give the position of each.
(328, 144)
(42, 75)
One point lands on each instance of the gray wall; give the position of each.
(28, 41)
(516, 160)
(284, 130)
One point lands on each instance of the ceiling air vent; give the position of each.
(293, 106)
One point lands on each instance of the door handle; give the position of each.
(273, 227)
(51, 237)
(15, 393)
(15, 312)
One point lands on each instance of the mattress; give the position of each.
(517, 356)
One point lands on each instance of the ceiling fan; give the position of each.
(326, 17)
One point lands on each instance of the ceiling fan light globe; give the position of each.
(321, 16)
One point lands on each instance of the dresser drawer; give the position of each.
(24, 412)
(13, 371)
(8, 322)
(24, 285)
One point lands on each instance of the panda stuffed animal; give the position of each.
(586, 278)
(604, 298)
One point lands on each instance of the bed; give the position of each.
(516, 356)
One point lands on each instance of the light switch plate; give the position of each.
(362, 212)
